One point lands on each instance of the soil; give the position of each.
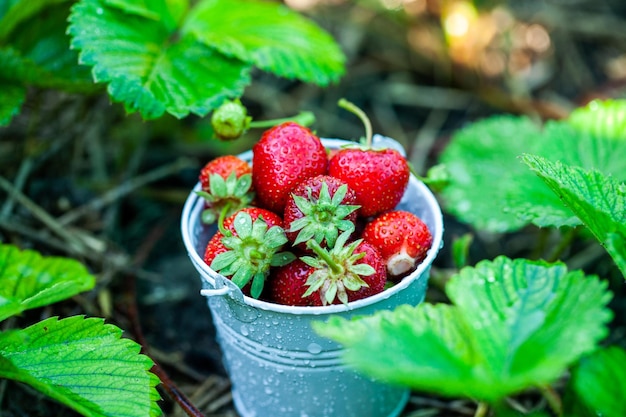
(121, 182)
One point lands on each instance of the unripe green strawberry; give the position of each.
(285, 155)
(230, 120)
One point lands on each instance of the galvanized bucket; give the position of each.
(277, 364)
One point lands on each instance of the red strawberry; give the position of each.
(287, 286)
(379, 177)
(375, 282)
(319, 208)
(226, 185)
(285, 155)
(246, 246)
(223, 166)
(346, 272)
(402, 238)
(214, 247)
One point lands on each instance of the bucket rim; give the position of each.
(194, 204)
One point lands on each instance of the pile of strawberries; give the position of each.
(307, 226)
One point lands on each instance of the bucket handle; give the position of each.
(219, 286)
(213, 292)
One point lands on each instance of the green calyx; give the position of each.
(336, 270)
(253, 249)
(231, 192)
(323, 218)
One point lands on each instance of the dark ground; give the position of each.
(122, 182)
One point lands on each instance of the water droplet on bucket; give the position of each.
(314, 348)
(244, 330)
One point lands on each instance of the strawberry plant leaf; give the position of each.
(270, 36)
(460, 249)
(13, 97)
(83, 363)
(489, 187)
(29, 280)
(160, 56)
(14, 68)
(37, 53)
(168, 11)
(616, 247)
(599, 381)
(482, 169)
(514, 324)
(146, 64)
(598, 200)
(44, 49)
(606, 118)
(531, 319)
(13, 13)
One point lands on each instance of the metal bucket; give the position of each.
(277, 364)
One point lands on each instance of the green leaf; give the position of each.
(616, 247)
(14, 68)
(43, 44)
(530, 319)
(461, 248)
(489, 187)
(482, 168)
(270, 36)
(146, 65)
(84, 364)
(13, 13)
(514, 324)
(428, 341)
(28, 280)
(599, 381)
(598, 200)
(13, 96)
(606, 118)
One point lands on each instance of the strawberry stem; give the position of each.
(324, 255)
(220, 220)
(304, 118)
(351, 107)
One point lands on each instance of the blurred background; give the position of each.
(421, 69)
